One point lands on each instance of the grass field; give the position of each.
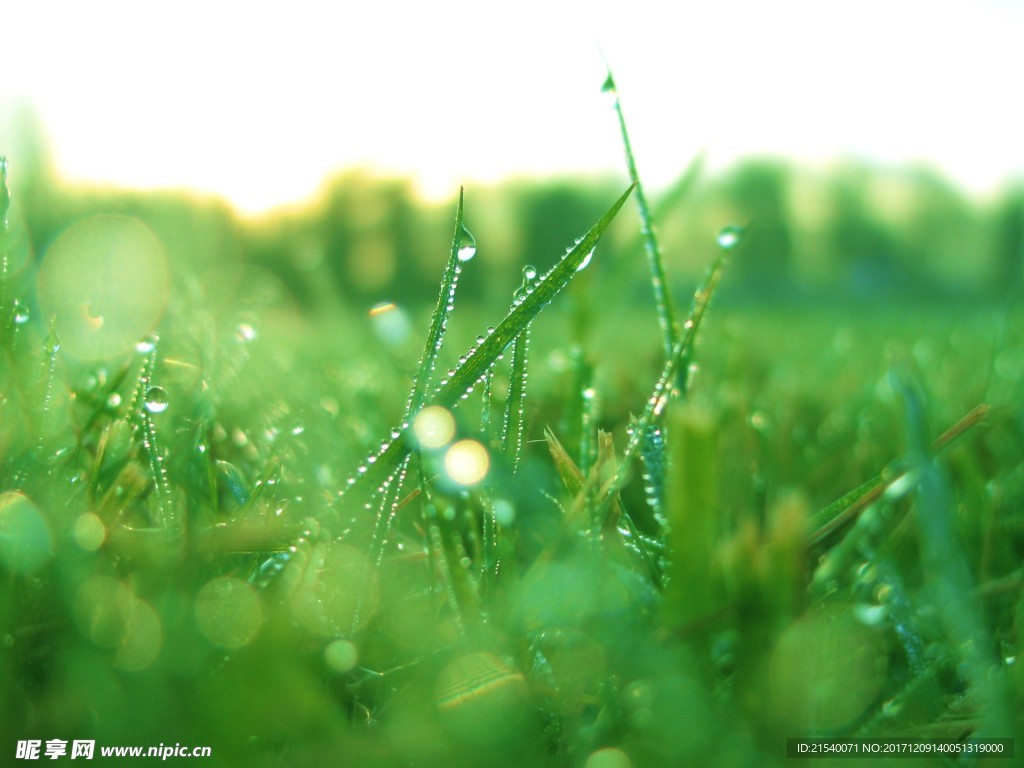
(291, 536)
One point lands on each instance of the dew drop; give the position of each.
(467, 245)
(147, 345)
(52, 343)
(586, 261)
(529, 272)
(729, 237)
(245, 332)
(114, 400)
(156, 400)
(21, 313)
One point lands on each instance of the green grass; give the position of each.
(272, 532)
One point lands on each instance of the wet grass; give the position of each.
(293, 540)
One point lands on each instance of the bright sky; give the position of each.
(260, 101)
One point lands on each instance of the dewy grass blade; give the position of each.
(383, 463)
(662, 297)
(547, 288)
(463, 249)
(513, 425)
(659, 399)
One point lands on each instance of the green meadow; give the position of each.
(555, 473)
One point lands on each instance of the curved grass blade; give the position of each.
(662, 298)
(478, 361)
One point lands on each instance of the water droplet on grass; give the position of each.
(245, 332)
(586, 261)
(147, 345)
(21, 313)
(467, 245)
(156, 400)
(729, 237)
(51, 345)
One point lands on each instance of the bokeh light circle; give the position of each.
(825, 670)
(113, 617)
(228, 612)
(481, 698)
(89, 532)
(341, 656)
(467, 462)
(26, 545)
(335, 591)
(609, 757)
(105, 281)
(434, 427)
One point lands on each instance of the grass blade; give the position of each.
(659, 399)
(463, 249)
(850, 505)
(946, 566)
(662, 298)
(513, 425)
(380, 465)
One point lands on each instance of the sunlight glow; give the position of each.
(267, 102)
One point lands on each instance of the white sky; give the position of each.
(259, 102)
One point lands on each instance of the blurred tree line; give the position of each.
(851, 232)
